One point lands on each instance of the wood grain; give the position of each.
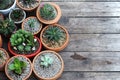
(91, 61)
(90, 76)
(91, 25)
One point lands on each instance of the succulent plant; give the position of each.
(7, 27)
(22, 41)
(28, 1)
(46, 61)
(31, 22)
(53, 33)
(48, 12)
(17, 15)
(4, 4)
(17, 66)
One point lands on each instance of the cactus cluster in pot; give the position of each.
(7, 27)
(28, 5)
(24, 43)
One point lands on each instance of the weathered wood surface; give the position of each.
(90, 76)
(91, 25)
(91, 61)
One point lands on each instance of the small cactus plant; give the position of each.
(17, 66)
(46, 61)
(48, 12)
(54, 33)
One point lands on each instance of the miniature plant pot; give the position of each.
(50, 33)
(51, 72)
(27, 5)
(24, 43)
(1, 41)
(17, 15)
(3, 58)
(24, 71)
(55, 20)
(1, 17)
(32, 24)
(8, 9)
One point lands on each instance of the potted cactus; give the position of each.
(24, 43)
(18, 68)
(17, 15)
(54, 37)
(48, 13)
(3, 58)
(48, 65)
(6, 6)
(32, 24)
(1, 41)
(7, 27)
(28, 5)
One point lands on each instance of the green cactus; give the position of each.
(17, 66)
(48, 12)
(46, 61)
(22, 40)
(53, 33)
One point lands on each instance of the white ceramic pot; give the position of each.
(6, 11)
(18, 22)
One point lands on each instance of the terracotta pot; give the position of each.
(28, 55)
(57, 75)
(58, 48)
(1, 17)
(35, 33)
(49, 21)
(2, 66)
(27, 9)
(1, 41)
(17, 22)
(6, 67)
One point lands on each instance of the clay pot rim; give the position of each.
(27, 20)
(58, 74)
(28, 55)
(27, 9)
(55, 20)
(6, 66)
(7, 55)
(59, 48)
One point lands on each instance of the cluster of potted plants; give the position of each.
(25, 43)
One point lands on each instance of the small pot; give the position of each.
(29, 71)
(57, 74)
(37, 30)
(6, 58)
(1, 41)
(28, 55)
(6, 11)
(58, 48)
(49, 21)
(27, 9)
(17, 22)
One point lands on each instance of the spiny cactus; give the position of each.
(48, 12)
(54, 33)
(46, 61)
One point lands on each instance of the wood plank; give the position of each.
(90, 76)
(94, 42)
(83, 9)
(81, 0)
(91, 61)
(91, 25)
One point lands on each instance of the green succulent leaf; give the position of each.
(20, 48)
(27, 48)
(11, 67)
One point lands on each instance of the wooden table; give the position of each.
(94, 49)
